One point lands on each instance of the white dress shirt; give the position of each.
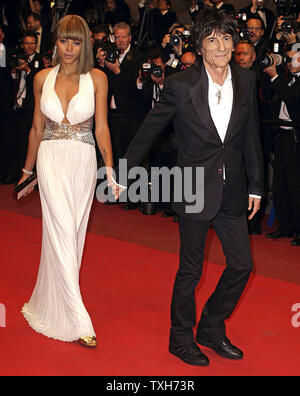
(220, 110)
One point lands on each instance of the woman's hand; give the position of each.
(23, 178)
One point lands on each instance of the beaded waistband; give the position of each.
(81, 132)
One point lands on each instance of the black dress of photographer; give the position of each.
(23, 76)
(285, 89)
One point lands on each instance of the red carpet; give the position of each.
(127, 288)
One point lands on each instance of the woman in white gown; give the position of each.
(61, 143)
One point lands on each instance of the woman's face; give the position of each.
(68, 50)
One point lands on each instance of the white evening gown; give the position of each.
(67, 172)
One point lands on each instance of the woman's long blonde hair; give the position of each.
(73, 27)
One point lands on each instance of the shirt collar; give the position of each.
(227, 79)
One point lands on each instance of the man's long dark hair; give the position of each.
(209, 21)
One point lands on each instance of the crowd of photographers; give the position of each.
(137, 57)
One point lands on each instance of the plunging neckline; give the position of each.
(58, 99)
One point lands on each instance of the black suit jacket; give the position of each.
(46, 41)
(280, 91)
(185, 100)
(123, 86)
(35, 66)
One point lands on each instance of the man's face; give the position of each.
(123, 39)
(111, 5)
(258, 3)
(162, 5)
(294, 61)
(244, 55)
(29, 45)
(32, 24)
(217, 50)
(255, 28)
(188, 59)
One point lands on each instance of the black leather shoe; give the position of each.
(278, 234)
(296, 241)
(190, 354)
(223, 348)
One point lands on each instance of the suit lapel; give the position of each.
(237, 95)
(199, 95)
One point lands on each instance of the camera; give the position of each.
(271, 58)
(184, 38)
(151, 69)
(16, 59)
(290, 25)
(109, 48)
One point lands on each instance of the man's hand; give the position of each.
(271, 70)
(114, 67)
(254, 205)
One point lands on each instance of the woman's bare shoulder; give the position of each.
(98, 75)
(41, 76)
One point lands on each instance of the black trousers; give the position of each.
(286, 181)
(233, 234)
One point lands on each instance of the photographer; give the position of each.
(99, 34)
(257, 7)
(44, 37)
(117, 11)
(286, 182)
(24, 67)
(255, 27)
(150, 83)
(160, 18)
(6, 87)
(126, 111)
(288, 28)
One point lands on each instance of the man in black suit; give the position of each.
(160, 19)
(286, 181)
(29, 63)
(126, 112)
(44, 43)
(255, 27)
(217, 129)
(258, 7)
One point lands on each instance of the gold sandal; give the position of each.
(88, 341)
